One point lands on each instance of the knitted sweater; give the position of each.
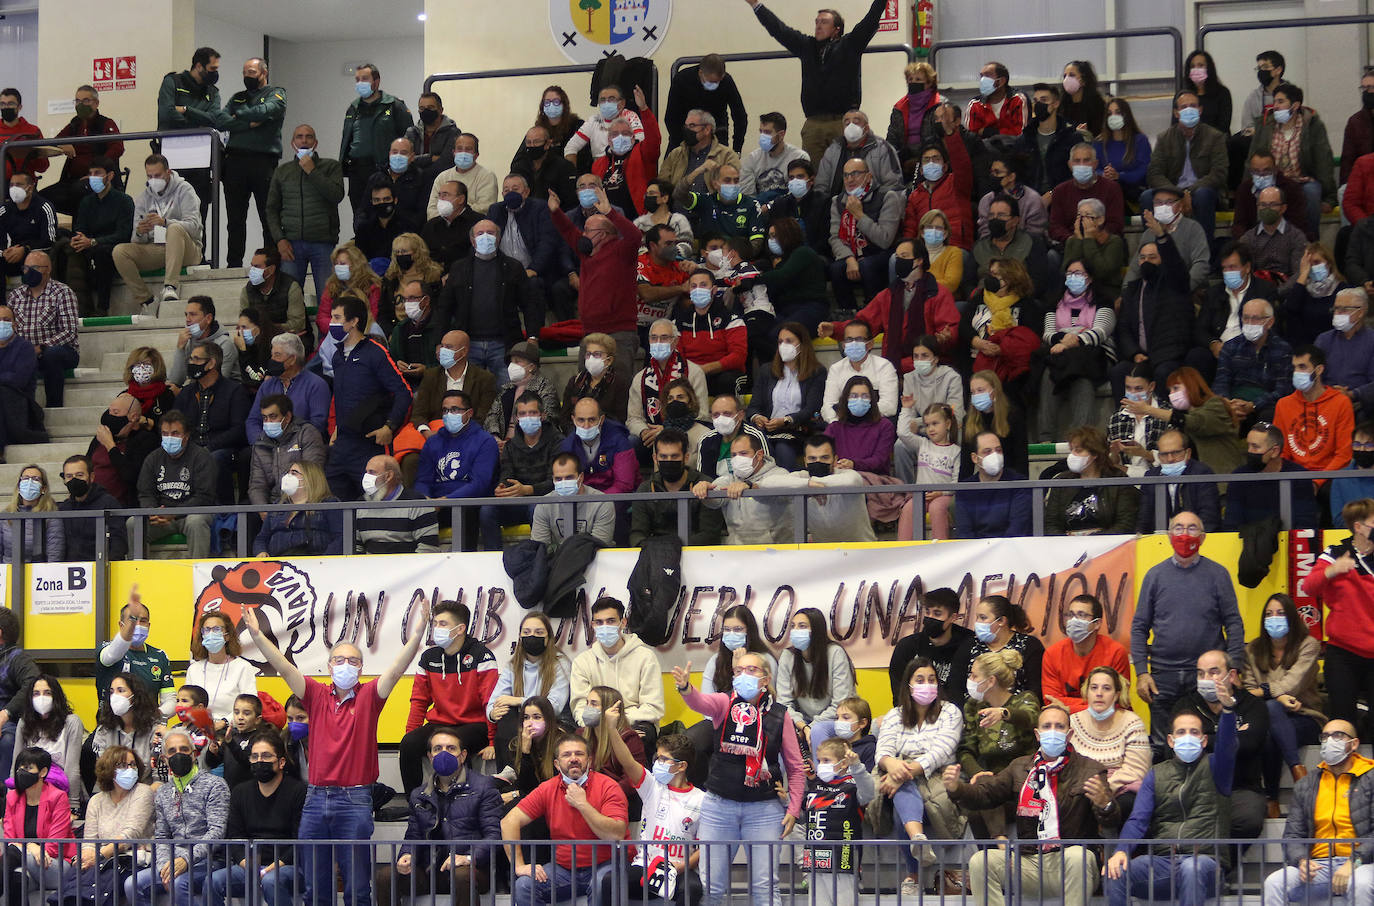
(131, 818)
(1121, 744)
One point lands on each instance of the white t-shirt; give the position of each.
(668, 815)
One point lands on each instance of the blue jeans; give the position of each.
(1287, 731)
(140, 888)
(491, 355)
(907, 805)
(278, 887)
(1286, 886)
(337, 813)
(1187, 880)
(726, 819)
(316, 256)
(563, 885)
(1172, 685)
(491, 519)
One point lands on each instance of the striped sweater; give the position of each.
(402, 530)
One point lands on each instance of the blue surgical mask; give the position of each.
(1232, 279)
(984, 632)
(212, 641)
(1053, 742)
(586, 197)
(443, 636)
(195, 330)
(454, 421)
(1082, 173)
(765, 142)
(1191, 116)
(257, 276)
(1173, 469)
(588, 434)
(933, 236)
(746, 686)
(97, 183)
(565, 487)
(171, 444)
(730, 191)
(1076, 283)
(464, 160)
(364, 89)
(530, 424)
(1188, 748)
(303, 153)
(30, 488)
(855, 350)
(484, 243)
(1138, 396)
(1102, 715)
(1319, 272)
(6, 330)
(1277, 627)
(621, 144)
(932, 172)
(660, 351)
(859, 406)
(797, 187)
(272, 429)
(663, 773)
(1262, 181)
(126, 778)
(701, 297)
(986, 85)
(608, 636)
(710, 86)
(774, 247)
(800, 639)
(553, 109)
(1302, 380)
(447, 357)
(398, 162)
(337, 332)
(734, 641)
(343, 272)
(844, 729)
(608, 110)
(140, 635)
(248, 336)
(825, 772)
(982, 401)
(345, 676)
(1283, 116)
(857, 191)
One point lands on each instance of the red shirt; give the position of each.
(549, 801)
(1062, 671)
(343, 734)
(608, 301)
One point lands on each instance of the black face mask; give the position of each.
(1255, 460)
(1149, 271)
(990, 283)
(210, 78)
(997, 228)
(180, 764)
(250, 83)
(115, 423)
(819, 469)
(405, 262)
(672, 470)
(904, 267)
(676, 410)
(1264, 77)
(429, 117)
(24, 779)
(585, 246)
(534, 645)
(651, 202)
(1040, 110)
(932, 627)
(9, 114)
(195, 370)
(78, 488)
(274, 368)
(1364, 458)
(263, 771)
(384, 208)
(1367, 98)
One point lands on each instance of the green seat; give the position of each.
(159, 272)
(170, 540)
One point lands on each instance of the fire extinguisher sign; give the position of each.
(889, 20)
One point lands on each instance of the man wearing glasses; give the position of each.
(129, 652)
(1189, 603)
(1321, 808)
(343, 762)
(459, 460)
(1175, 456)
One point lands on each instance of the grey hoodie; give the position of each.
(178, 203)
(757, 520)
(221, 338)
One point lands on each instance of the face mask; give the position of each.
(25, 779)
(1190, 116)
(1173, 469)
(513, 201)
(248, 336)
(1053, 742)
(982, 401)
(157, 184)
(364, 89)
(933, 238)
(180, 764)
(1164, 213)
(844, 729)
(1341, 322)
(621, 145)
(1077, 462)
(1268, 216)
(663, 773)
(1102, 715)
(464, 160)
(586, 197)
(1116, 122)
(608, 110)
(303, 153)
(298, 729)
(272, 429)
(800, 639)
(530, 425)
(588, 434)
(608, 636)
(1076, 283)
(774, 247)
(263, 771)
(398, 162)
(746, 686)
(998, 229)
(1277, 627)
(797, 187)
(533, 644)
(213, 641)
(195, 370)
(1302, 380)
(337, 332)
(553, 109)
(1262, 182)
(171, 445)
(730, 192)
(443, 636)
(1040, 110)
(370, 482)
(819, 469)
(855, 350)
(1282, 116)
(18, 194)
(742, 466)
(32, 277)
(932, 172)
(992, 464)
(859, 406)
(536, 728)
(444, 208)
(1255, 461)
(485, 243)
(591, 717)
(1179, 399)
(454, 421)
(30, 488)
(1252, 332)
(1138, 396)
(120, 704)
(734, 640)
(1364, 458)
(1082, 173)
(345, 676)
(1334, 751)
(1233, 279)
(724, 425)
(1186, 546)
(660, 351)
(414, 309)
(125, 778)
(384, 209)
(701, 298)
(857, 191)
(765, 142)
(344, 272)
(1188, 748)
(42, 704)
(825, 773)
(924, 693)
(853, 132)
(1072, 84)
(428, 116)
(405, 261)
(1319, 271)
(97, 183)
(974, 690)
(78, 488)
(447, 357)
(1367, 99)
(257, 276)
(984, 632)
(986, 85)
(672, 470)
(1078, 628)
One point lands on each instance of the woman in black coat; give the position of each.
(1159, 298)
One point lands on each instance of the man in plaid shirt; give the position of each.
(45, 315)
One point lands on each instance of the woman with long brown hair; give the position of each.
(602, 716)
(814, 673)
(538, 667)
(1098, 510)
(788, 395)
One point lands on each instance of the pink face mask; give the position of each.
(924, 693)
(536, 728)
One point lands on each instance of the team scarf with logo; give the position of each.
(742, 734)
(1038, 797)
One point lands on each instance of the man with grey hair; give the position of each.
(394, 530)
(699, 154)
(858, 141)
(1085, 181)
(527, 235)
(192, 806)
(343, 753)
(649, 387)
(1349, 348)
(286, 374)
(1090, 243)
(1254, 369)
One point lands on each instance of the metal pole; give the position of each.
(101, 579)
(1257, 25)
(1174, 35)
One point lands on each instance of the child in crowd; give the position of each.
(833, 810)
(937, 462)
(192, 715)
(232, 751)
(853, 725)
(296, 735)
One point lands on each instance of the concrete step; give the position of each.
(91, 393)
(68, 419)
(97, 342)
(53, 451)
(222, 286)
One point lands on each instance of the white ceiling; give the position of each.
(320, 20)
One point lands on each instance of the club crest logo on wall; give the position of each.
(587, 30)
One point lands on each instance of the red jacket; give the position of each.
(452, 689)
(608, 301)
(1317, 435)
(1349, 600)
(939, 311)
(1357, 142)
(715, 335)
(641, 166)
(978, 115)
(1358, 202)
(76, 167)
(54, 816)
(950, 195)
(33, 165)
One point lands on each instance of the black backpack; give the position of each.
(614, 69)
(654, 585)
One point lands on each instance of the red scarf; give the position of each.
(146, 393)
(1039, 795)
(742, 734)
(653, 381)
(849, 232)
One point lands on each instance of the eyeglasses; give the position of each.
(752, 671)
(1337, 735)
(1192, 531)
(455, 410)
(1269, 205)
(1171, 455)
(262, 759)
(340, 661)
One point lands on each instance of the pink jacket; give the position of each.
(54, 817)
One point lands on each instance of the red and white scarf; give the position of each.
(1039, 795)
(742, 734)
(655, 380)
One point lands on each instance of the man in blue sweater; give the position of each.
(371, 398)
(460, 460)
(1189, 603)
(992, 513)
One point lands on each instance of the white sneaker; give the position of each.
(920, 852)
(169, 293)
(910, 888)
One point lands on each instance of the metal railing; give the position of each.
(216, 154)
(1058, 37)
(1260, 24)
(752, 56)
(860, 871)
(569, 69)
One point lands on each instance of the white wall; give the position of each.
(19, 60)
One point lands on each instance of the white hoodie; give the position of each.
(633, 671)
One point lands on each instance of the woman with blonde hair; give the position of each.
(999, 726)
(991, 410)
(409, 261)
(43, 539)
(302, 531)
(351, 274)
(603, 715)
(599, 377)
(946, 258)
(544, 671)
(912, 122)
(1000, 328)
(145, 376)
(1108, 732)
(1310, 298)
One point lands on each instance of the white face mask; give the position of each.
(1078, 462)
(290, 484)
(992, 464)
(42, 704)
(595, 365)
(853, 132)
(724, 424)
(742, 466)
(788, 351)
(1164, 213)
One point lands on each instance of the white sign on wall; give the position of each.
(62, 588)
(587, 30)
